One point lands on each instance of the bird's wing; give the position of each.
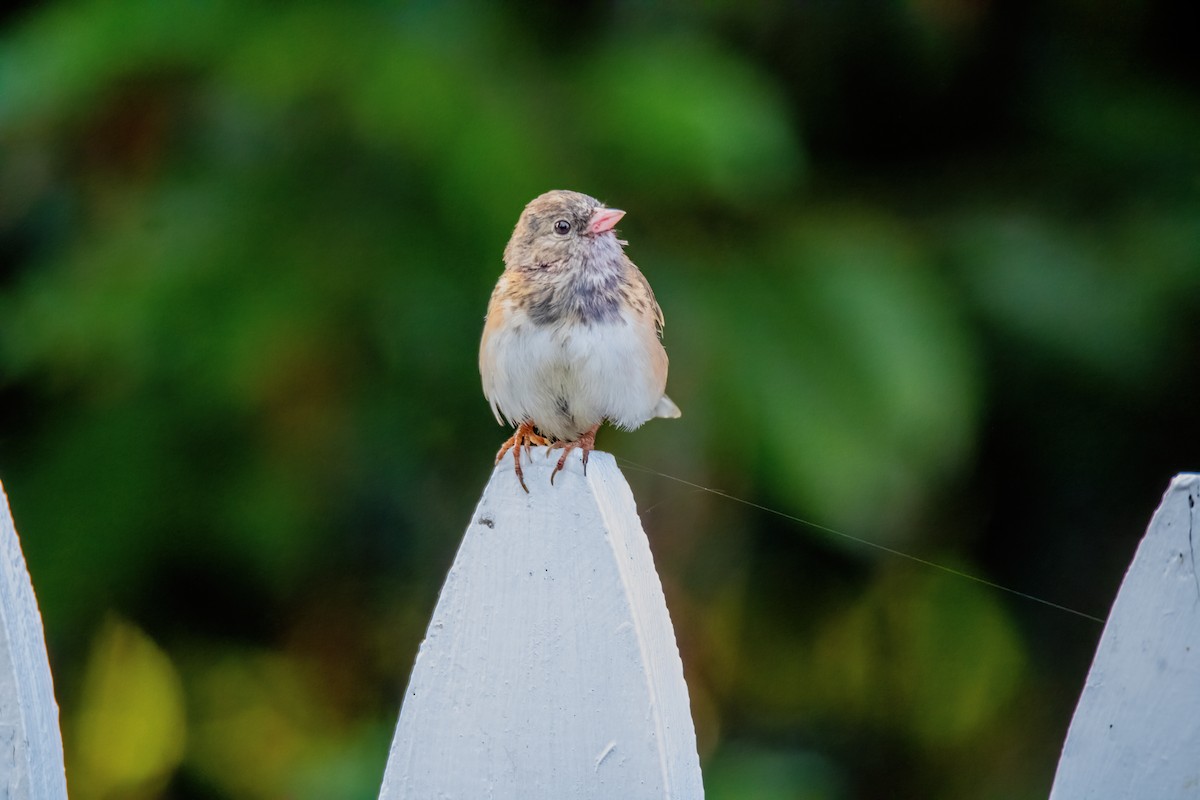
(659, 322)
(487, 358)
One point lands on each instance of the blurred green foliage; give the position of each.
(931, 273)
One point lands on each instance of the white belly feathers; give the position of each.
(567, 378)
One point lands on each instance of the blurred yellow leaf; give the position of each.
(129, 732)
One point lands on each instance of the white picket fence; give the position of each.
(550, 668)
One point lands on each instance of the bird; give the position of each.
(572, 335)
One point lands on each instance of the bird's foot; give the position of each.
(585, 442)
(526, 437)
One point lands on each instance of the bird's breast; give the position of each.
(586, 296)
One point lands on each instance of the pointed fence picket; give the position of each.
(1136, 730)
(550, 668)
(31, 753)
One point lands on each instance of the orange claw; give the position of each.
(525, 436)
(586, 442)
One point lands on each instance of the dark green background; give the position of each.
(931, 274)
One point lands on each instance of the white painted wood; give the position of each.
(31, 754)
(1136, 730)
(550, 669)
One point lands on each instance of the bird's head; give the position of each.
(560, 229)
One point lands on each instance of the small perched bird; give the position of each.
(571, 337)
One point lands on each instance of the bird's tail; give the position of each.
(666, 408)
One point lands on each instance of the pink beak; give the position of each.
(604, 219)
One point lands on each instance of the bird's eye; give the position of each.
(562, 227)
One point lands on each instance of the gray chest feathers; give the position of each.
(584, 296)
